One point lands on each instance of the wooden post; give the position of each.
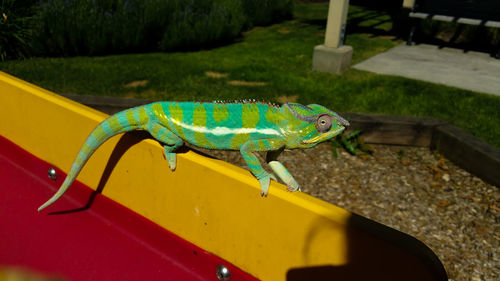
(335, 26)
(333, 56)
(408, 3)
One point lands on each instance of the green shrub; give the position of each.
(200, 23)
(15, 28)
(263, 12)
(81, 27)
(94, 27)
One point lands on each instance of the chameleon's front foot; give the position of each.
(171, 159)
(293, 186)
(282, 172)
(265, 181)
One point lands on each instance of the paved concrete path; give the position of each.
(472, 70)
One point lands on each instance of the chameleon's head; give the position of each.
(313, 124)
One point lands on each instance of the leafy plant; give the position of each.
(352, 143)
(15, 28)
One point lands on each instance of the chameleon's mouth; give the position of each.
(324, 137)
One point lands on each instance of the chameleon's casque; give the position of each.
(243, 126)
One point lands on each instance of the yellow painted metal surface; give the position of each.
(208, 202)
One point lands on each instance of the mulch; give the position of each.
(410, 189)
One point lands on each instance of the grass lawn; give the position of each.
(271, 63)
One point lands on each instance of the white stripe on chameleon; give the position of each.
(227, 131)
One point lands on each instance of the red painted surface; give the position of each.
(105, 241)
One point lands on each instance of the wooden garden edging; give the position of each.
(464, 149)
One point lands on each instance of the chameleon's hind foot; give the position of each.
(265, 181)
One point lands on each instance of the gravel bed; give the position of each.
(410, 189)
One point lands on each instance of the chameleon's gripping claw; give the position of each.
(265, 181)
(171, 158)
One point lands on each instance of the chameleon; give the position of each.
(247, 126)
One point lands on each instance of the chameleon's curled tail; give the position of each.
(112, 126)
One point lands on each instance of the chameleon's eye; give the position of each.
(324, 123)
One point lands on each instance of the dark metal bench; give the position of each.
(473, 12)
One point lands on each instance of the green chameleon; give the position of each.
(247, 126)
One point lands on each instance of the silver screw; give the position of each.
(223, 273)
(52, 173)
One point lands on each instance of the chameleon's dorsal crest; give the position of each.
(302, 112)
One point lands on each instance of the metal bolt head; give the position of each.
(223, 273)
(52, 174)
